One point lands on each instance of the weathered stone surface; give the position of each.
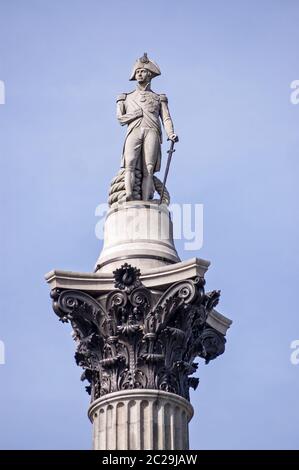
(140, 338)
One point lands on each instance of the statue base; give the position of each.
(139, 232)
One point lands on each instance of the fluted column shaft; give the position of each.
(140, 420)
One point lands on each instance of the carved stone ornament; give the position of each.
(135, 337)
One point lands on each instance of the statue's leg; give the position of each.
(132, 152)
(151, 148)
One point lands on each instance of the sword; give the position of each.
(170, 152)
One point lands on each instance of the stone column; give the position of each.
(137, 346)
(140, 420)
(139, 328)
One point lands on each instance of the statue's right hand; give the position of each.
(139, 112)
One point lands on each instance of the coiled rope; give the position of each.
(117, 192)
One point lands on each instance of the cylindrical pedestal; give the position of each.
(140, 233)
(140, 419)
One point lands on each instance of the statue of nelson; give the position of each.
(142, 111)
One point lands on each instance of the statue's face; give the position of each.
(142, 75)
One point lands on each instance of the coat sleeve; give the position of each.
(123, 117)
(165, 116)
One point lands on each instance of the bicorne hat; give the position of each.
(145, 63)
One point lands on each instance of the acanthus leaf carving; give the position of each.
(129, 339)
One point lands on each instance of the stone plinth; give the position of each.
(103, 282)
(140, 233)
(140, 420)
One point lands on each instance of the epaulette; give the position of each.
(121, 97)
(164, 98)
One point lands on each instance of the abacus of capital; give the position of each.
(143, 316)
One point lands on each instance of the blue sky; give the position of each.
(227, 69)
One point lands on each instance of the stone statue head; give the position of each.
(143, 76)
(144, 63)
